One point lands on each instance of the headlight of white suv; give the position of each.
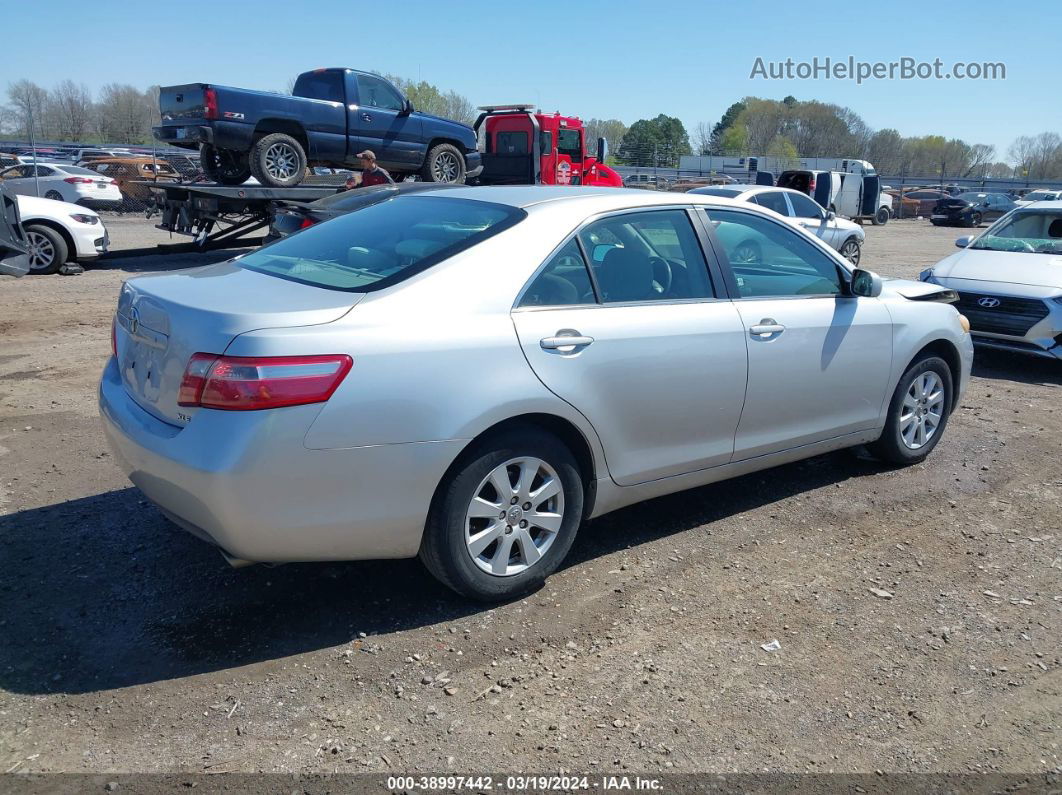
(926, 275)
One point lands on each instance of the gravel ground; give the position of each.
(917, 610)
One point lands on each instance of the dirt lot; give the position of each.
(126, 645)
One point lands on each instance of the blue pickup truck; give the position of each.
(331, 116)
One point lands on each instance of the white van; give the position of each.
(853, 193)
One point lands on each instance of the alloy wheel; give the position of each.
(850, 251)
(922, 410)
(445, 167)
(41, 251)
(514, 517)
(282, 162)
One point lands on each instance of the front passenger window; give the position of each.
(768, 259)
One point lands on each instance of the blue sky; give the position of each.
(625, 60)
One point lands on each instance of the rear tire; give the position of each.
(444, 163)
(224, 166)
(48, 249)
(462, 550)
(910, 407)
(851, 250)
(54, 195)
(881, 217)
(278, 161)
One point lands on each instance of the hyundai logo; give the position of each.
(134, 321)
(988, 302)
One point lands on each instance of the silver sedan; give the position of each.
(466, 376)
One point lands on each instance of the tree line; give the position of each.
(788, 129)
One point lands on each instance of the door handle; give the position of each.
(565, 343)
(766, 328)
(366, 117)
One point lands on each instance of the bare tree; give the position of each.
(124, 114)
(702, 138)
(1021, 154)
(71, 108)
(28, 100)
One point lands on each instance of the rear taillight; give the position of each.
(250, 383)
(210, 103)
(306, 222)
(80, 181)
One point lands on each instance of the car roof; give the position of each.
(524, 196)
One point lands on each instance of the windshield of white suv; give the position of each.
(1030, 232)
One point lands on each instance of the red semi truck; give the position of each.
(525, 147)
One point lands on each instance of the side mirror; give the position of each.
(408, 108)
(830, 215)
(866, 284)
(964, 241)
(602, 150)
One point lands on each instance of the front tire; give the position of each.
(224, 166)
(444, 163)
(918, 413)
(47, 249)
(278, 160)
(881, 217)
(505, 516)
(975, 220)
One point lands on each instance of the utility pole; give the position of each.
(33, 148)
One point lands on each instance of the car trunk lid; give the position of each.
(162, 320)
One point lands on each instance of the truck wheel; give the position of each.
(444, 163)
(223, 166)
(881, 217)
(277, 160)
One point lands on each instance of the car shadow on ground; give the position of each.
(102, 592)
(1004, 366)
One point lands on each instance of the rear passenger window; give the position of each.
(563, 282)
(773, 200)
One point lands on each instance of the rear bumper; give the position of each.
(246, 482)
(222, 134)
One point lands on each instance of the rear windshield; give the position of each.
(725, 193)
(383, 244)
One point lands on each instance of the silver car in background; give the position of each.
(468, 375)
(1009, 281)
(798, 208)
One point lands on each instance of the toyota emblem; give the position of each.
(988, 302)
(134, 321)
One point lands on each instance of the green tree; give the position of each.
(721, 126)
(658, 142)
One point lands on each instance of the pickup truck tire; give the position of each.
(224, 166)
(278, 160)
(444, 163)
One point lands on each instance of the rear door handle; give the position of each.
(565, 342)
(366, 117)
(766, 328)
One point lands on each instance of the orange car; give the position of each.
(128, 173)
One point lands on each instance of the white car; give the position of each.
(1041, 195)
(63, 182)
(844, 236)
(58, 232)
(1009, 281)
